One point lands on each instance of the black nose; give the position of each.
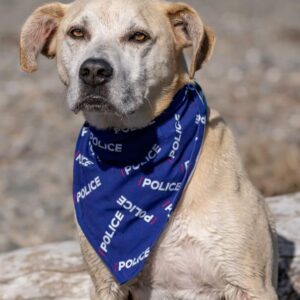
(95, 72)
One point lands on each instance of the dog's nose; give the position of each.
(95, 72)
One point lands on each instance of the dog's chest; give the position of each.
(182, 265)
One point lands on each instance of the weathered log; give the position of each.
(57, 271)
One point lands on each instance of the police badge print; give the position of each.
(127, 183)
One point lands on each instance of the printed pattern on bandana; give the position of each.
(127, 183)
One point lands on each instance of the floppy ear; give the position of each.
(38, 34)
(189, 31)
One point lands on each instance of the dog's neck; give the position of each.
(142, 117)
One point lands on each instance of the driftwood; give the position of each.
(57, 271)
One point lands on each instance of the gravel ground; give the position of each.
(253, 80)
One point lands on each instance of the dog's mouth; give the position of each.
(94, 104)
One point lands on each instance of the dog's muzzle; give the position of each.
(94, 75)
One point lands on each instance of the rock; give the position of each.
(54, 271)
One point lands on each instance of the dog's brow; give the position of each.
(82, 22)
(133, 26)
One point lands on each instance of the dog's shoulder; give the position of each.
(218, 130)
(220, 169)
(220, 146)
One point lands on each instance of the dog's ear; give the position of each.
(189, 30)
(38, 34)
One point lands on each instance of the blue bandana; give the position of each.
(128, 182)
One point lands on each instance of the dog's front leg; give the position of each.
(104, 285)
(107, 294)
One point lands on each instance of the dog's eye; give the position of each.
(139, 37)
(76, 33)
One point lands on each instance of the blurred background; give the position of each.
(253, 79)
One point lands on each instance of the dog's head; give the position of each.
(122, 61)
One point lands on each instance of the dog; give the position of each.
(220, 242)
